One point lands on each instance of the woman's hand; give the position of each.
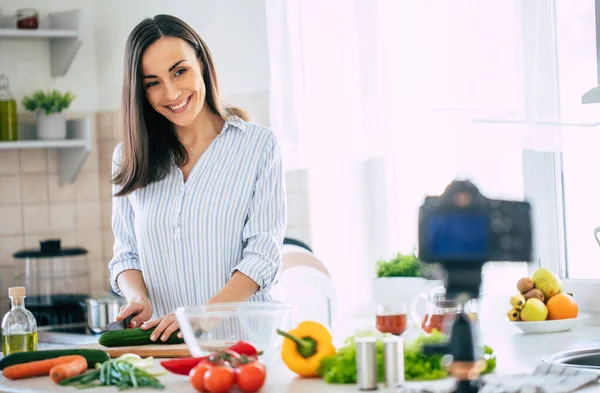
(165, 326)
(138, 306)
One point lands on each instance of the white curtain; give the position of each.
(384, 102)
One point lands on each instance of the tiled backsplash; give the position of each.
(34, 206)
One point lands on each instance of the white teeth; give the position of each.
(180, 105)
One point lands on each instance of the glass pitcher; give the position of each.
(439, 311)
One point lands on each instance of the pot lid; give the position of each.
(50, 248)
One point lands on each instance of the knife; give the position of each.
(119, 325)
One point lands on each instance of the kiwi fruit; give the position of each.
(534, 293)
(525, 285)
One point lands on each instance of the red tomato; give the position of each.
(251, 377)
(227, 357)
(219, 379)
(197, 375)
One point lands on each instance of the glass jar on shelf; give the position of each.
(28, 18)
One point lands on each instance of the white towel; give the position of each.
(546, 378)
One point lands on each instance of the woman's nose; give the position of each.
(173, 92)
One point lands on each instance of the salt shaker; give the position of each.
(366, 363)
(393, 360)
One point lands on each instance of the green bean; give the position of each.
(103, 373)
(116, 376)
(82, 378)
(116, 372)
(90, 376)
(133, 380)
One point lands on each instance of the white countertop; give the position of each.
(516, 354)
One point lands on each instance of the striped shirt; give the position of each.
(188, 238)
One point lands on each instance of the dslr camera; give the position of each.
(462, 229)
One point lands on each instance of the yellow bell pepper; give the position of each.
(305, 346)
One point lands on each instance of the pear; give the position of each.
(547, 282)
(534, 310)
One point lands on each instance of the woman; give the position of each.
(199, 209)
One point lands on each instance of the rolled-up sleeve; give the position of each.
(125, 253)
(265, 225)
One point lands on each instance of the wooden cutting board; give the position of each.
(154, 350)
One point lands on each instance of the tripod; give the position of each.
(463, 347)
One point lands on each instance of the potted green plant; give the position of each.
(401, 279)
(49, 106)
(401, 265)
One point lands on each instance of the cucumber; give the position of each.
(135, 336)
(92, 356)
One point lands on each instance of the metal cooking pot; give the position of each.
(101, 311)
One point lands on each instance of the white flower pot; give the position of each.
(52, 126)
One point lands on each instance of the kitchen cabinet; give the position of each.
(62, 30)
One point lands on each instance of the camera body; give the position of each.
(462, 229)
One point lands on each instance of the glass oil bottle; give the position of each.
(9, 129)
(19, 328)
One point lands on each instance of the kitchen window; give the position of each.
(568, 179)
(554, 168)
(401, 98)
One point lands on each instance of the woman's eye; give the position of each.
(150, 84)
(180, 71)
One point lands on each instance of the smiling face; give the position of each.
(172, 79)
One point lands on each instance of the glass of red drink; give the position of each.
(392, 318)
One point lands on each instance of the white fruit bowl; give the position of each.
(559, 325)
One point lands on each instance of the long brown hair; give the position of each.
(149, 144)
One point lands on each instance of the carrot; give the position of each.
(36, 368)
(68, 370)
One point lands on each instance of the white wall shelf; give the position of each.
(72, 151)
(38, 33)
(39, 144)
(61, 29)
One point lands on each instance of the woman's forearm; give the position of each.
(132, 285)
(238, 289)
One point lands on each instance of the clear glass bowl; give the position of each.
(213, 327)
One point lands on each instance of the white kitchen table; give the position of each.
(516, 354)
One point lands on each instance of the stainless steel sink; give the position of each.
(588, 358)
